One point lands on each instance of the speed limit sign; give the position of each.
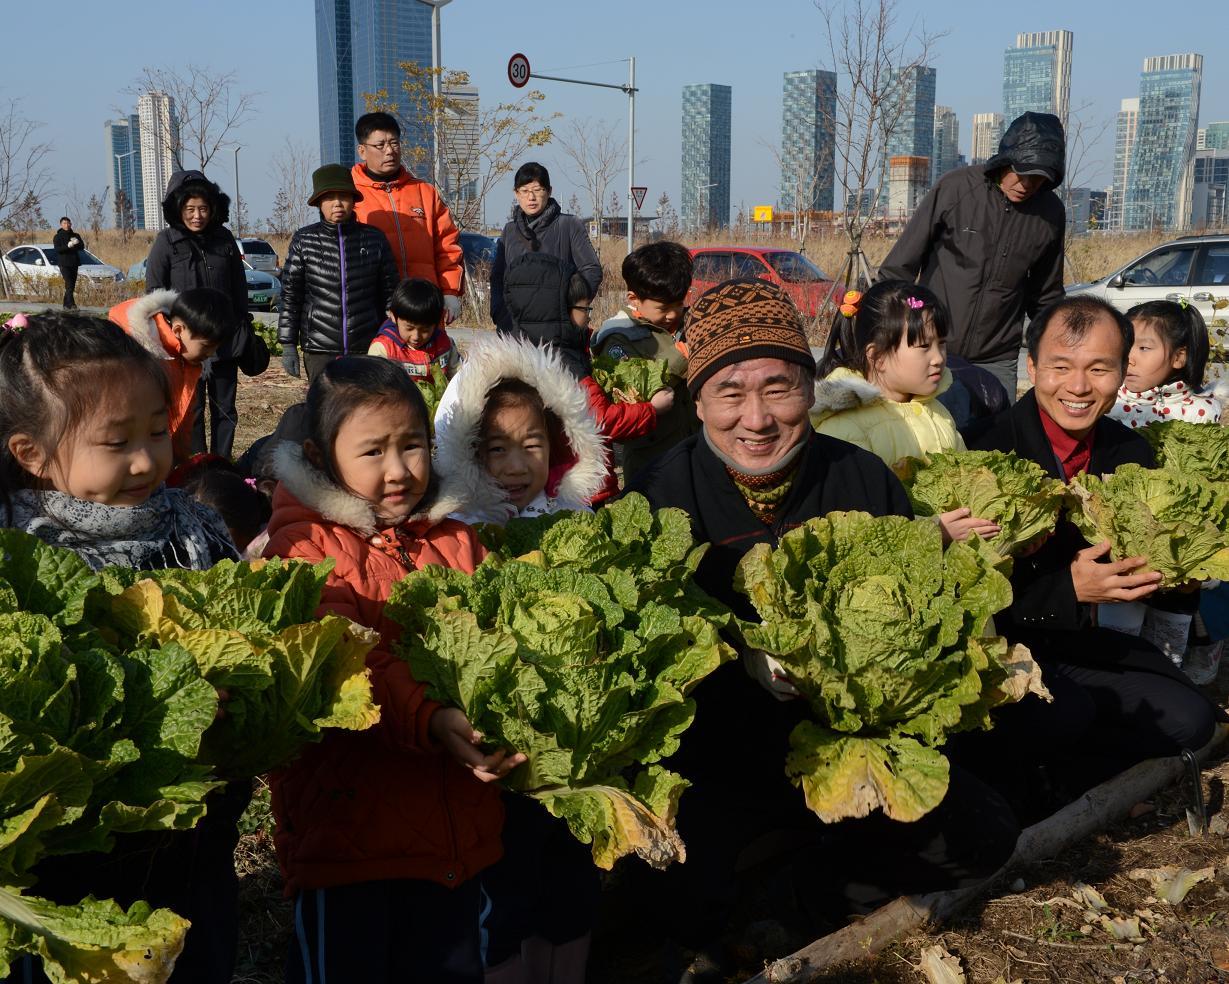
(518, 70)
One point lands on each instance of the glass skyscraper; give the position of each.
(946, 143)
(912, 114)
(1124, 145)
(1159, 180)
(123, 140)
(1037, 75)
(808, 131)
(705, 189)
(1214, 136)
(359, 47)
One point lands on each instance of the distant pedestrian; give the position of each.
(410, 212)
(68, 247)
(988, 240)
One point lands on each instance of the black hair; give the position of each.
(1078, 314)
(579, 290)
(529, 172)
(65, 218)
(885, 310)
(511, 392)
(659, 271)
(206, 311)
(54, 373)
(369, 123)
(1180, 327)
(244, 509)
(417, 301)
(219, 203)
(354, 381)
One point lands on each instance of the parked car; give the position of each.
(31, 268)
(1192, 268)
(264, 289)
(806, 284)
(260, 255)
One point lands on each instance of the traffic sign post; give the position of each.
(638, 194)
(519, 75)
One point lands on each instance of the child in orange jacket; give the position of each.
(380, 832)
(183, 331)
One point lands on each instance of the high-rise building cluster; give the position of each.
(142, 151)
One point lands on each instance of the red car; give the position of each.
(805, 283)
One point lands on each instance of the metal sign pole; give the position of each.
(631, 150)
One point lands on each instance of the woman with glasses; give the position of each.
(539, 226)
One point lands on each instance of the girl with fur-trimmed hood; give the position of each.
(516, 433)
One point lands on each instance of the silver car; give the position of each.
(30, 268)
(259, 255)
(1193, 268)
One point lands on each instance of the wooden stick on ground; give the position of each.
(1053, 835)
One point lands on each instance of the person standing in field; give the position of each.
(988, 240)
(410, 213)
(68, 246)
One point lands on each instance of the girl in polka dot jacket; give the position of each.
(1165, 369)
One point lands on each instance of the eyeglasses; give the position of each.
(581, 307)
(535, 192)
(385, 145)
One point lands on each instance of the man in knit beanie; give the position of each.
(755, 471)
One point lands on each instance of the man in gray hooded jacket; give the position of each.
(988, 239)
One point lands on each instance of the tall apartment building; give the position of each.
(1159, 180)
(987, 132)
(159, 137)
(1124, 145)
(1210, 189)
(123, 139)
(705, 191)
(908, 182)
(911, 114)
(946, 143)
(808, 139)
(1214, 136)
(1037, 75)
(359, 47)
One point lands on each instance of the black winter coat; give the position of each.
(989, 260)
(565, 238)
(68, 256)
(313, 295)
(180, 260)
(740, 730)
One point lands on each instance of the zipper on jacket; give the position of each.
(345, 320)
(392, 205)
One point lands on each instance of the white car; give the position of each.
(1193, 268)
(30, 269)
(259, 255)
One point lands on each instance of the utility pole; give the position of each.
(436, 55)
(238, 199)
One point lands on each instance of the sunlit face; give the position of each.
(65, 224)
(661, 314)
(381, 153)
(1077, 381)
(909, 370)
(515, 450)
(414, 335)
(195, 214)
(1150, 363)
(193, 349)
(117, 456)
(336, 207)
(382, 454)
(581, 314)
(1018, 188)
(532, 198)
(754, 412)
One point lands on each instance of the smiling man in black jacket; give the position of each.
(988, 239)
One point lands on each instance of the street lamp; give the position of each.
(435, 6)
(238, 200)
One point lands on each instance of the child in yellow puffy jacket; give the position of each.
(884, 366)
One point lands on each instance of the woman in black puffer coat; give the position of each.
(197, 250)
(336, 281)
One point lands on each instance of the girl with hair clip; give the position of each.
(883, 367)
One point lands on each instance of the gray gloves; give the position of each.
(290, 360)
(452, 308)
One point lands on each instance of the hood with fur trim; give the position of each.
(459, 417)
(318, 492)
(845, 389)
(139, 318)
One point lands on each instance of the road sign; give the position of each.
(638, 194)
(762, 213)
(518, 70)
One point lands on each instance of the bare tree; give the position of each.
(1082, 135)
(94, 216)
(290, 168)
(667, 217)
(27, 218)
(872, 61)
(208, 106)
(801, 182)
(598, 153)
(125, 217)
(23, 168)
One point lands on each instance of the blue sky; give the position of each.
(73, 63)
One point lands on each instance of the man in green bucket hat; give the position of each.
(336, 281)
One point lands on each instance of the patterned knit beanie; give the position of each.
(741, 320)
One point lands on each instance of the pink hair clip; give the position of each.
(915, 302)
(16, 323)
(250, 482)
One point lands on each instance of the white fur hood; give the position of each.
(318, 492)
(459, 416)
(845, 389)
(141, 323)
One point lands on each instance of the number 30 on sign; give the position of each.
(518, 70)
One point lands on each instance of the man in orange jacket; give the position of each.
(408, 211)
